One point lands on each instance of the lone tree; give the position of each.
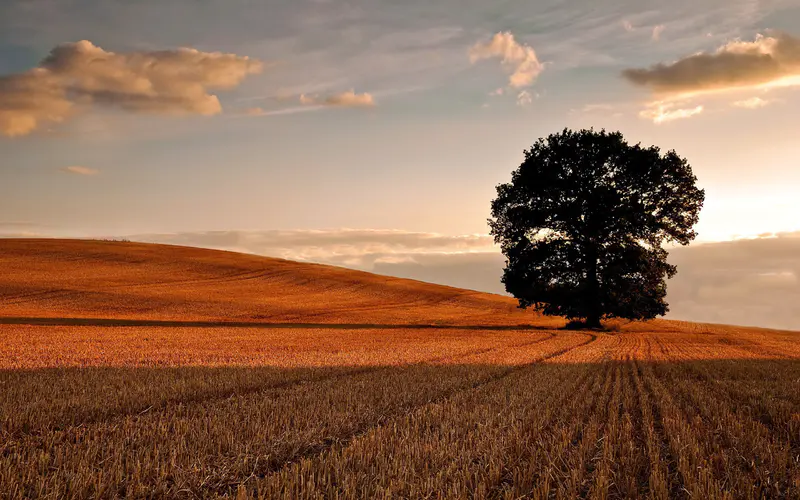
(582, 224)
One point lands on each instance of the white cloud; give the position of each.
(752, 103)
(660, 112)
(522, 60)
(627, 25)
(336, 246)
(259, 111)
(657, 30)
(304, 99)
(82, 74)
(347, 99)
(595, 108)
(79, 170)
(524, 98)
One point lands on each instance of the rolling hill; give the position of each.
(122, 280)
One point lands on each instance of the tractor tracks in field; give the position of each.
(211, 396)
(229, 483)
(555, 423)
(57, 293)
(341, 442)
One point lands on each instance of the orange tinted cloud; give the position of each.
(660, 112)
(163, 82)
(78, 170)
(347, 99)
(752, 103)
(29, 99)
(766, 61)
(520, 58)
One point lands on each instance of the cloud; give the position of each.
(657, 30)
(78, 170)
(353, 247)
(347, 99)
(304, 99)
(480, 271)
(18, 223)
(522, 60)
(82, 74)
(28, 99)
(466, 261)
(752, 103)
(627, 25)
(258, 111)
(765, 62)
(748, 282)
(594, 108)
(524, 98)
(660, 112)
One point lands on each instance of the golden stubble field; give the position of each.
(146, 371)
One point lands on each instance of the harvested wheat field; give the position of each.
(148, 371)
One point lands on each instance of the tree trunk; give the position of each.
(593, 321)
(593, 312)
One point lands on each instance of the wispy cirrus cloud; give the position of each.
(521, 59)
(22, 229)
(752, 103)
(259, 111)
(655, 31)
(524, 98)
(79, 170)
(599, 107)
(347, 99)
(81, 74)
(661, 112)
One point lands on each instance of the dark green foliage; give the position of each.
(582, 224)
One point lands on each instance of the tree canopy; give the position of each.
(583, 221)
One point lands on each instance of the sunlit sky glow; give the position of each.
(400, 115)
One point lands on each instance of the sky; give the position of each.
(332, 131)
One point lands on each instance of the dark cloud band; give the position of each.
(737, 64)
(748, 282)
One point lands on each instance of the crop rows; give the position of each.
(28, 347)
(209, 445)
(609, 429)
(530, 415)
(36, 400)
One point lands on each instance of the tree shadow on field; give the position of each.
(122, 322)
